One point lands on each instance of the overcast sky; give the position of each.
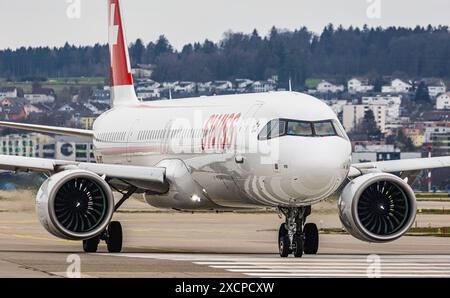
(46, 23)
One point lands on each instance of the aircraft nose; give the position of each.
(317, 170)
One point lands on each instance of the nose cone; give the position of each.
(317, 168)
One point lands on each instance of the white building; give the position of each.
(27, 145)
(429, 131)
(397, 86)
(8, 92)
(356, 85)
(435, 87)
(185, 87)
(443, 101)
(327, 87)
(74, 149)
(39, 98)
(148, 89)
(374, 156)
(242, 84)
(263, 86)
(154, 94)
(353, 114)
(221, 86)
(66, 108)
(392, 104)
(141, 73)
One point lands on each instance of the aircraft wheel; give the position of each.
(115, 237)
(91, 245)
(283, 242)
(311, 239)
(298, 246)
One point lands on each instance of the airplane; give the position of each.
(283, 150)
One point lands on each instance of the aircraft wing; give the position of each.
(154, 175)
(404, 165)
(50, 129)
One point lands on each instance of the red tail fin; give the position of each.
(121, 77)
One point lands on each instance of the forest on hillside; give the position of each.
(337, 53)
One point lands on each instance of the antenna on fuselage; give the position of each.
(290, 85)
(170, 93)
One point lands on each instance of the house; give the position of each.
(144, 95)
(14, 108)
(142, 71)
(81, 115)
(327, 87)
(221, 86)
(95, 109)
(185, 87)
(204, 87)
(443, 101)
(435, 87)
(241, 85)
(10, 92)
(66, 108)
(149, 85)
(436, 115)
(397, 86)
(43, 108)
(359, 85)
(101, 107)
(149, 89)
(170, 85)
(32, 109)
(262, 86)
(41, 96)
(101, 95)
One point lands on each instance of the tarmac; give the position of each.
(224, 245)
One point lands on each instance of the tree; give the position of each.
(368, 127)
(401, 141)
(299, 54)
(137, 51)
(422, 94)
(378, 84)
(162, 46)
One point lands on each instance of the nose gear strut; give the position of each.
(294, 235)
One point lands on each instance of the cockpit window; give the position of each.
(273, 129)
(281, 127)
(324, 129)
(299, 128)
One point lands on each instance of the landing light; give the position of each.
(196, 198)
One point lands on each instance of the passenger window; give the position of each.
(324, 129)
(298, 128)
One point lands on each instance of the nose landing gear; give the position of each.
(295, 237)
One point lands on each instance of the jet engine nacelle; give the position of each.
(75, 205)
(377, 207)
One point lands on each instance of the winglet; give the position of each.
(122, 89)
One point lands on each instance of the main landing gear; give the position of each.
(113, 235)
(295, 237)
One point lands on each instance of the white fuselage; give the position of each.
(216, 138)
